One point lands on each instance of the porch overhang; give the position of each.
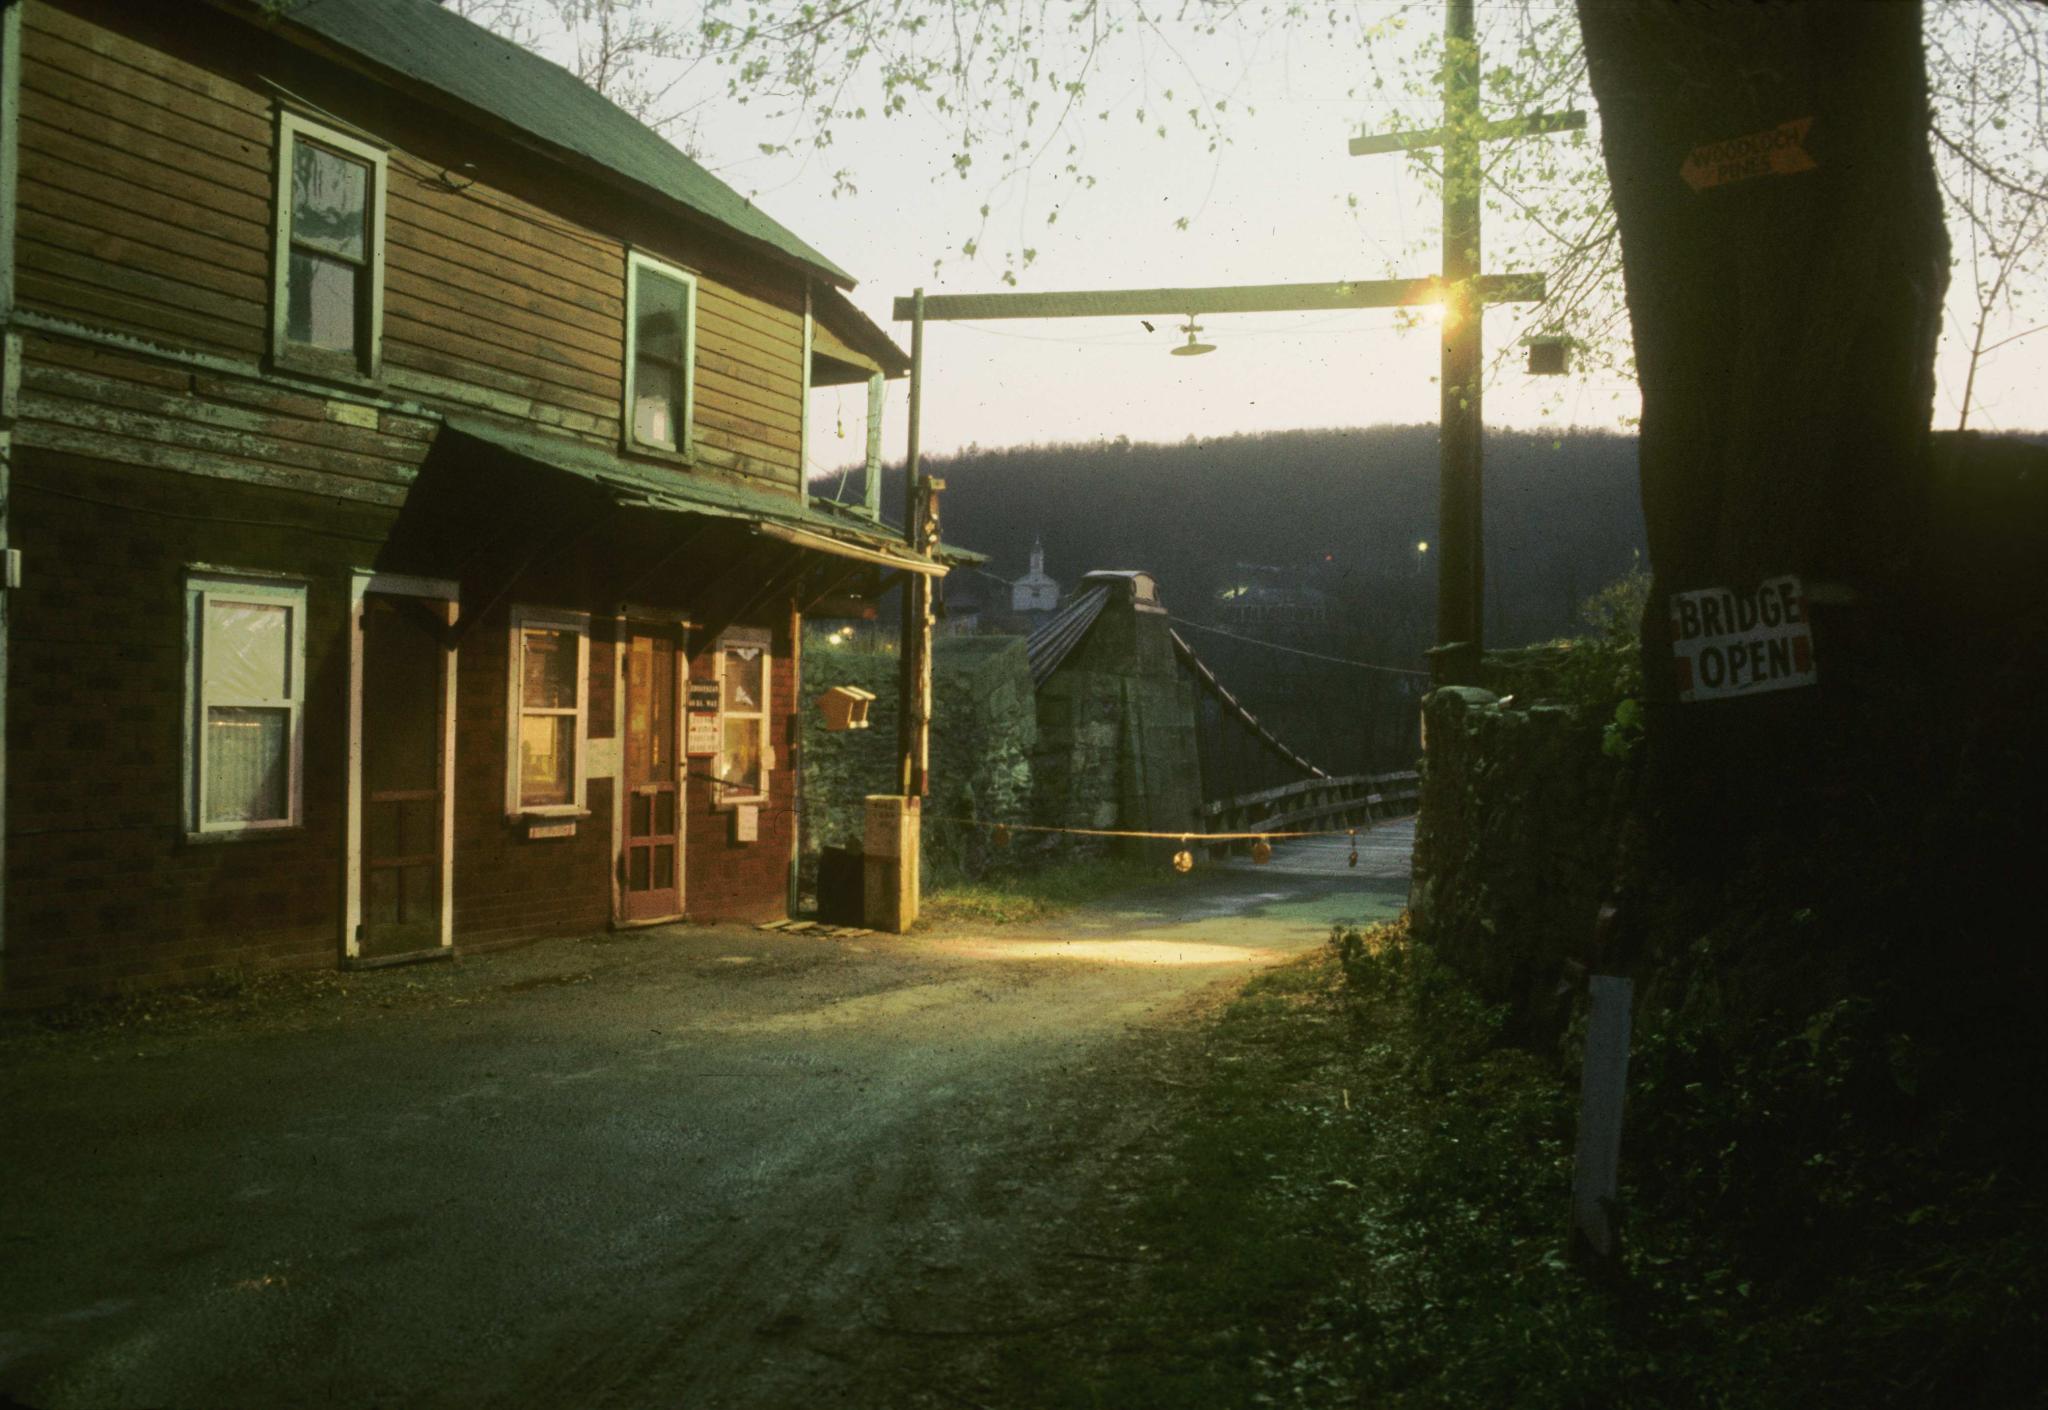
(633, 485)
(841, 548)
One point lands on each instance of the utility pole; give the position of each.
(920, 530)
(1461, 549)
(1461, 565)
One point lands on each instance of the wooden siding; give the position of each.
(145, 190)
(146, 201)
(132, 410)
(750, 355)
(500, 305)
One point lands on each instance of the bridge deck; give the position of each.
(1383, 854)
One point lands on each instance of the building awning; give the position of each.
(633, 485)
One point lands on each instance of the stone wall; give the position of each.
(1116, 730)
(1517, 843)
(983, 731)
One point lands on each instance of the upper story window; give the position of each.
(661, 350)
(328, 275)
(245, 693)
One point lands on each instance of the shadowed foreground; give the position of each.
(702, 1166)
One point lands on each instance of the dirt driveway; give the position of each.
(694, 1166)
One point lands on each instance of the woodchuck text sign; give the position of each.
(1776, 152)
(1741, 643)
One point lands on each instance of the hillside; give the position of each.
(1336, 514)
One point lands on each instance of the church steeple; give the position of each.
(1035, 592)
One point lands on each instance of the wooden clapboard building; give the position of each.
(406, 477)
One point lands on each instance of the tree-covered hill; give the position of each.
(1331, 518)
(1562, 516)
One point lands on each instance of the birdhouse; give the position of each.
(1549, 355)
(845, 707)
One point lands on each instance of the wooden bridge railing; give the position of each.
(1316, 803)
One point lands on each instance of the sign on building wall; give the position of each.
(701, 739)
(700, 736)
(1742, 643)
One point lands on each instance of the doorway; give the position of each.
(651, 774)
(401, 783)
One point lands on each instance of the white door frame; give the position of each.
(361, 585)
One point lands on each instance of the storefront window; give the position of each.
(549, 714)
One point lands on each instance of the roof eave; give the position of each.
(845, 318)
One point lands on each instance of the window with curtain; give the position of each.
(661, 316)
(246, 697)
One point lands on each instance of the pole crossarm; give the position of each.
(1500, 130)
(1226, 298)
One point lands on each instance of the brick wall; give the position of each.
(509, 887)
(103, 887)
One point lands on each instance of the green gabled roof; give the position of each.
(420, 41)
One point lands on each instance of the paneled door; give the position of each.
(651, 759)
(404, 732)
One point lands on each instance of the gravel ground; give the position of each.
(701, 1166)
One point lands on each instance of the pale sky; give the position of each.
(1270, 208)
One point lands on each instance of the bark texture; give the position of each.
(1785, 328)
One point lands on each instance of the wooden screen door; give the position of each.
(403, 735)
(653, 858)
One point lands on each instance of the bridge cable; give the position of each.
(1297, 651)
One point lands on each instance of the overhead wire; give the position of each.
(1298, 651)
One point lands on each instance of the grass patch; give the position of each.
(1365, 1207)
(1364, 1200)
(1037, 894)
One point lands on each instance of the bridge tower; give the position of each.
(1116, 714)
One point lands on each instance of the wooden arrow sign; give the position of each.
(1775, 151)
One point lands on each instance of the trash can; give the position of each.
(842, 878)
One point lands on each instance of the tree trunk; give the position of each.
(1785, 327)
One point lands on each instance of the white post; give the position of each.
(1602, 1089)
(878, 392)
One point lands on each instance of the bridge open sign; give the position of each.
(1741, 643)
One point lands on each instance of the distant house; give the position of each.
(406, 463)
(1268, 596)
(1035, 592)
(963, 613)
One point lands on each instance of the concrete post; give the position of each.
(890, 858)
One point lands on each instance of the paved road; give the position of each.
(697, 1166)
(1383, 854)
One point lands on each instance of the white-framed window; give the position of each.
(549, 714)
(245, 699)
(745, 757)
(327, 269)
(661, 354)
